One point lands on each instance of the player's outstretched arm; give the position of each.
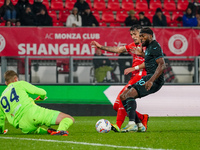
(113, 49)
(158, 72)
(31, 89)
(128, 70)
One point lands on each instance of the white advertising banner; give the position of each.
(168, 101)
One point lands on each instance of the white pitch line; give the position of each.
(81, 143)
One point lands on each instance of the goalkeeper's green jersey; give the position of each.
(15, 100)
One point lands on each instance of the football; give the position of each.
(103, 126)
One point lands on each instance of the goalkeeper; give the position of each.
(22, 112)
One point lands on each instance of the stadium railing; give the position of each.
(182, 69)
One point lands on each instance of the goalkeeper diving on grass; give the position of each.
(22, 112)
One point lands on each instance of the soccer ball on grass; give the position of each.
(103, 126)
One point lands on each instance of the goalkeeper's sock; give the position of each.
(41, 131)
(65, 124)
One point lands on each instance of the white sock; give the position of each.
(131, 122)
(139, 124)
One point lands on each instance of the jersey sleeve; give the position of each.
(130, 46)
(31, 89)
(157, 52)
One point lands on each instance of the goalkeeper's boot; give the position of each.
(50, 130)
(141, 127)
(130, 128)
(115, 128)
(145, 120)
(5, 131)
(62, 133)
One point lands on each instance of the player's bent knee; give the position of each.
(71, 118)
(61, 116)
(132, 93)
(68, 116)
(122, 97)
(116, 106)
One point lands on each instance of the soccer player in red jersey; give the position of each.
(136, 76)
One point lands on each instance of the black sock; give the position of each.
(137, 120)
(124, 104)
(131, 107)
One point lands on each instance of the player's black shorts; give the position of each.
(142, 92)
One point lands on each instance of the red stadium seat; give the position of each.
(69, 4)
(1, 3)
(2, 24)
(31, 1)
(127, 1)
(121, 16)
(183, 1)
(108, 16)
(115, 25)
(141, 6)
(127, 5)
(89, 3)
(63, 15)
(46, 3)
(97, 1)
(168, 17)
(154, 5)
(113, 5)
(102, 24)
(56, 5)
(175, 15)
(99, 6)
(169, 5)
(53, 15)
(57, 24)
(149, 15)
(140, 1)
(182, 5)
(14, 2)
(97, 16)
(173, 24)
(113, 1)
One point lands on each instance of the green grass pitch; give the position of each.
(181, 133)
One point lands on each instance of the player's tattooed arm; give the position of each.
(113, 49)
(120, 49)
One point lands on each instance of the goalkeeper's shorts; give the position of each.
(37, 116)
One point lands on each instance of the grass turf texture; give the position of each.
(163, 133)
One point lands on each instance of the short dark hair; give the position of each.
(147, 30)
(136, 26)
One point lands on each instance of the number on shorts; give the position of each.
(4, 101)
(141, 82)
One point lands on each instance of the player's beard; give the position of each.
(146, 43)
